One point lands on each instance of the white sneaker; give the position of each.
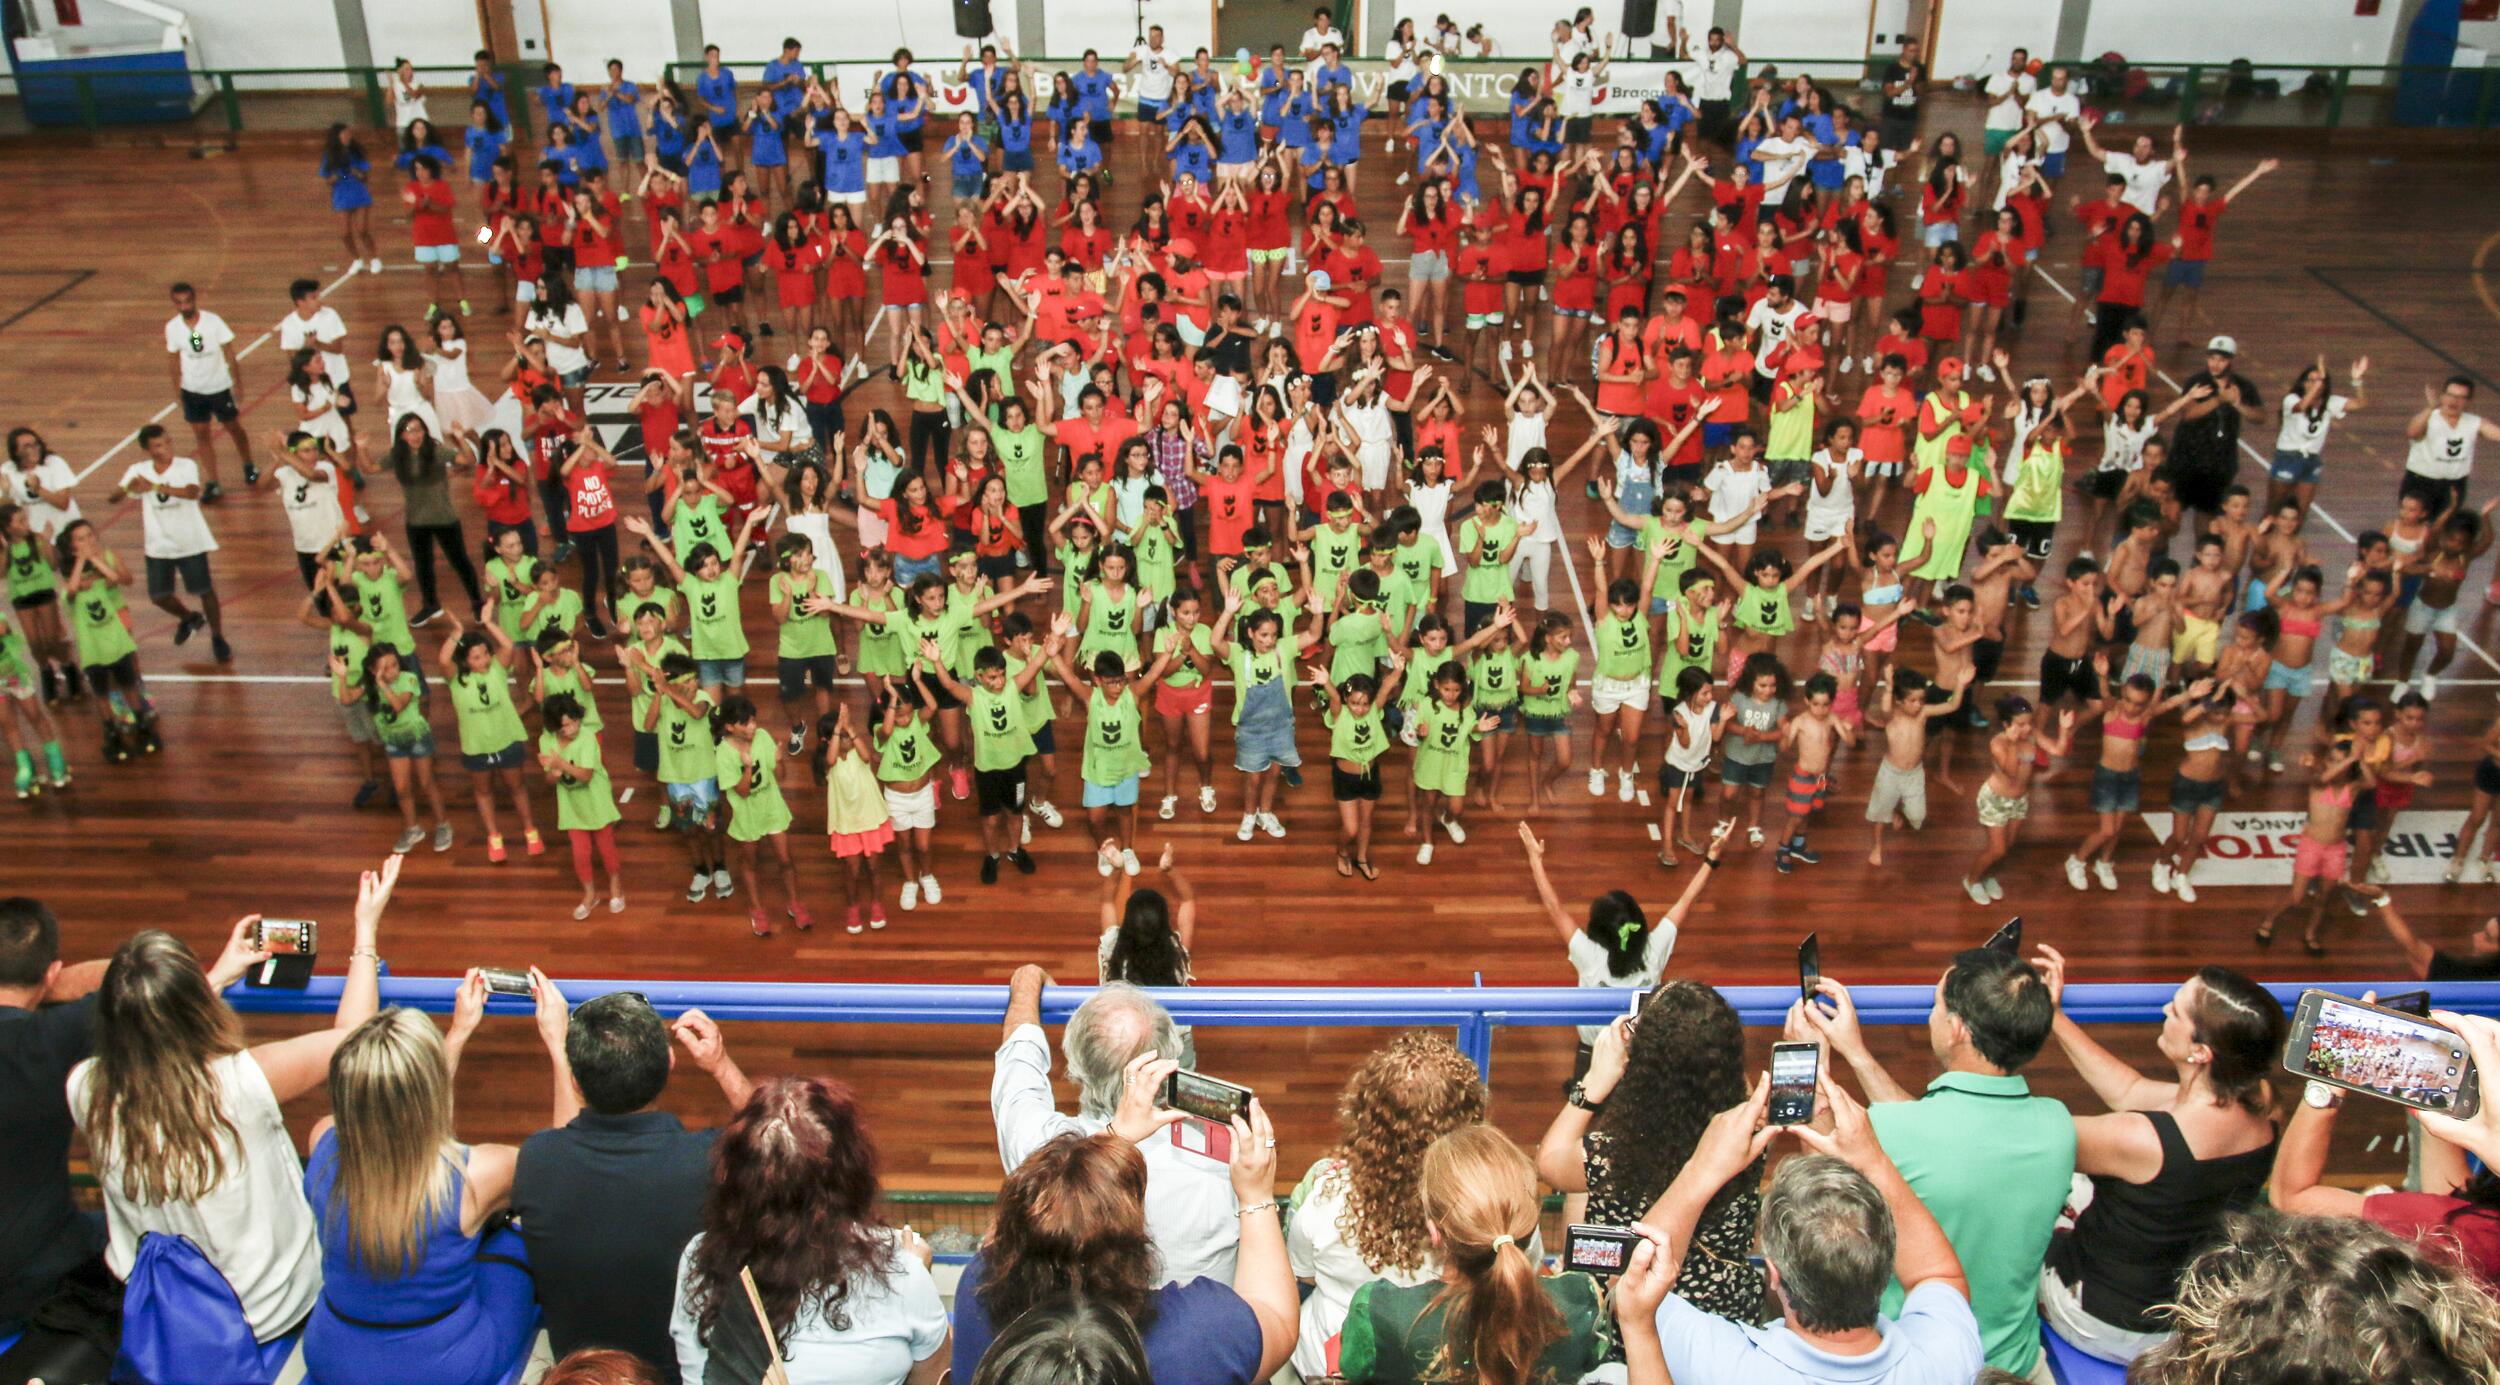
(1458, 833)
(2186, 892)
(1403, 176)
(1597, 783)
(1995, 890)
(1128, 862)
(1978, 893)
(2455, 871)
(2481, 871)
(1269, 825)
(1623, 788)
(2274, 764)
(1249, 824)
(1872, 365)
(1047, 811)
(929, 890)
(1846, 365)
(1102, 863)
(911, 895)
(699, 887)
(1504, 351)
(2378, 871)
(1806, 612)
(1024, 830)
(2102, 872)
(1527, 348)
(1831, 604)
(2430, 687)
(1988, 373)
(1171, 804)
(1206, 798)
(1423, 854)
(2161, 877)
(2074, 874)
(722, 885)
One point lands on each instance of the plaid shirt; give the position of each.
(1172, 453)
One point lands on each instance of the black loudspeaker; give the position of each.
(1640, 18)
(972, 18)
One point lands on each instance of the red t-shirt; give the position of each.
(1228, 243)
(546, 435)
(1724, 193)
(1482, 267)
(596, 249)
(724, 447)
(504, 500)
(819, 378)
(926, 541)
(429, 213)
(1270, 220)
(2448, 1228)
(593, 497)
(1885, 442)
(1355, 272)
(1438, 233)
(723, 268)
(1398, 339)
(1830, 288)
(2101, 221)
(1314, 331)
(1229, 512)
(1087, 248)
(1673, 405)
(1876, 279)
(2122, 277)
(1181, 284)
(1082, 438)
(660, 423)
(1911, 350)
(2196, 227)
(1731, 368)
(1622, 398)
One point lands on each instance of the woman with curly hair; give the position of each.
(1357, 1215)
(1654, 1081)
(793, 1200)
(2323, 1300)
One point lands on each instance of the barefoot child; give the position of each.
(1694, 725)
(2015, 754)
(2318, 865)
(747, 768)
(568, 750)
(1758, 716)
(1905, 708)
(1547, 698)
(2118, 780)
(2197, 789)
(1810, 735)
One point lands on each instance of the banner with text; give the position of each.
(2257, 848)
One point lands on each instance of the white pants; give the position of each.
(2061, 1305)
(1536, 560)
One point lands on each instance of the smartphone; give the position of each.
(1809, 965)
(2382, 1052)
(2414, 1003)
(2009, 939)
(286, 937)
(505, 981)
(1794, 1069)
(1599, 1250)
(1208, 1098)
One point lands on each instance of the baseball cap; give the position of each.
(1320, 281)
(1184, 247)
(2226, 344)
(1950, 365)
(1958, 446)
(727, 340)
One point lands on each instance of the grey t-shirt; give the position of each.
(1753, 715)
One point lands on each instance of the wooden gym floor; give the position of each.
(247, 808)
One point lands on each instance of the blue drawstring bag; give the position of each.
(181, 1322)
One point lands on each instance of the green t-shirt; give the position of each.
(1545, 683)
(640, 686)
(385, 608)
(483, 704)
(1115, 743)
(1035, 699)
(804, 636)
(1443, 738)
(881, 647)
(103, 638)
(17, 663)
(1252, 670)
(29, 571)
(1334, 553)
(563, 613)
(1023, 460)
(577, 682)
(760, 811)
(686, 741)
(2039, 493)
(1245, 575)
(581, 807)
(1359, 740)
(1622, 647)
(1358, 641)
(1495, 673)
(1182, 673)
(906, 750)
(1396, 1336)
(1110, 624)
(704, 520)
(1421, 664)
(349, 648)
(1691, 641)
(1157, 548)
(1677, 550)
(512, 594)
(662, 595)
(957, 634)
(408, 723)
(1415, 563)
(1790, 437)
(718, 632)
(1485, 549)
(1765, 609)
(999, 737)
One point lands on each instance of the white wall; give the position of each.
(268, 33)
(428, 34)
(1978, 35)
(751, 33)
(1808, 29)
(638, 33)
(2262, 31)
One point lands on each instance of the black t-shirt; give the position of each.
(42, 1236)
(2447, 966)
(2204, 452)
(1905, 101)
(606, 1205)
(1232, 351)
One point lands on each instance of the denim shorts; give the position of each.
(594, 278)
(438, 254)
(910, 570)
(694, 802)
(2185, 274)
(2116, 791)
(967, 186)
(1937, 233)
(2295, 468)
(1120, 795)
(422, 748)
(1427, 266)
(1739, 775)
(2282, 677)
(721, 673)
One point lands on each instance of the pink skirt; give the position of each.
(869, 843)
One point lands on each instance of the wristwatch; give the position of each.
(1579, 1096)
(2322, 1096)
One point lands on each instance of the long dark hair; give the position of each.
(1685, 1064)
(1146, 951)
(341, 151)
(793, 1198)
(421, 463)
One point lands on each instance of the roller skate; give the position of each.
(116, 743)
(149, 741)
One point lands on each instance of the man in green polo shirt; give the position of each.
(1992, 1161)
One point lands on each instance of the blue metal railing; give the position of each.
(1475, 1012)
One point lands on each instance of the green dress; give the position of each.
(761, 811)
(1442, 747)
(1115, 743)
(581, 807)
(483, 703)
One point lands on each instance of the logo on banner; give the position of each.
(610, 408)
(2257, 848)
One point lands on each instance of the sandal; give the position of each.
(1345, 865)
(1364, 868)
(2264, 936)
(1669, 862)
(2309, 943)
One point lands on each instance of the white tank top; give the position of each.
(2446, 450)
(1694, 723)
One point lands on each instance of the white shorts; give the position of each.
(1737, 538)
(884, 170)
(1616, 694)
(917, 809)
(2422, 619)
(1823, 528)
(851, 199)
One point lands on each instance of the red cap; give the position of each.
(1182, 246)
(1958, 446)
(727, 340)
(1950, 365)
(1803, 359)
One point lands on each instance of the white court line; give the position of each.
(849, 681)
(133, 435)
(2262, 461)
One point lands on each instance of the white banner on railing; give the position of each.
(2257, 848)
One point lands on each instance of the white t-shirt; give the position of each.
(2304, 434)
(1782, 160)
(313, 516)
(562, 359)
(1840, 506)
(254, 1226)
(1588, 962)
(1573, 45)
(1575, 92)
(295, 333)
(202, 347)
(1313, 40)
(1775, 325)
(1732, 492)
(1322, 1254)
(1526, 431)
(1716, 76)
(175, 526)
(52, 473)
(894, 1318)
(1857, 163)
(2446, 450)
(2050, 110)
(2145, 179)
(1154, 73)
(1223, 397)
(2004, 114)
(2122, 446)
(1401, 60)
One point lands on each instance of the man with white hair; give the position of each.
(1190, 1209)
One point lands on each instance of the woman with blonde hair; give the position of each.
(1492, 1318)
(183, 1119)
(415, 1284)
(1357, 1215)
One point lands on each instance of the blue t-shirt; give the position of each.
(1349, 123)
(489, 89)
(846, 160)
(624, 111)
(1093, 92)
(969, 156)
(786, 99)
(1522, 130)
(1192, 157)
(1064, 114)
(1079, 154)
(557, 102)
(668, 136)
(1015, 136)
(1238, 132)
(485, 146)
(1935, 1341)
(1322, 78)
(1654, 146)
(703, 170)
(886, 140)
(1426, 133)
(906, 94)
(407, 160)
(764, 140)
(1202, 1334)
(989, 87)
(588, 152)
(1290, 113)
(720, 92)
